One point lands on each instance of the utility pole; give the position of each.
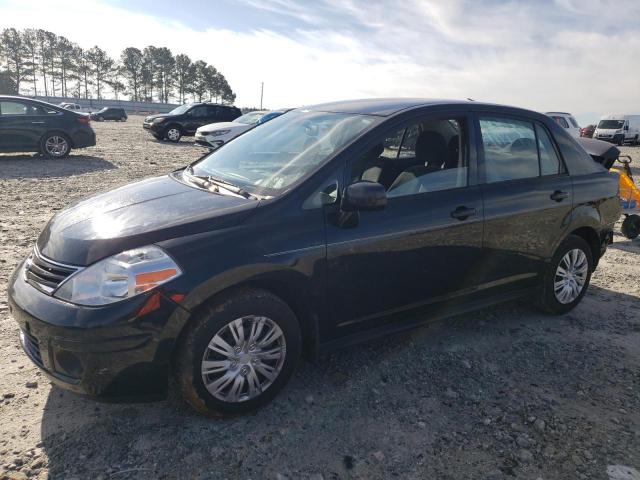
(261, 93)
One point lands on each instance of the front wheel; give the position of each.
(55, 145)
(631, 226)
(567, 276)
(237, 354)
(173, 134)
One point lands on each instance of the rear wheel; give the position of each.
(55, 145)
(567, 276)
(237, 354)
(123, 119)
(173, 134)
(631, 226)
(101, 118)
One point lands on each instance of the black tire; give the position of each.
(548, 300)
(173, 133)
(48, 151)
(631, 226)
(187, 377)
(123, 119)
(100, 119)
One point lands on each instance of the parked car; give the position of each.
(28, 125)
(74, 107)
(326, 226)
(587, 132)
(186, 119)
(110, 113)
(619, 128)
(566, 121)
(215, 135)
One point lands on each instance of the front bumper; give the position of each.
(121, 351)
(156, 128)
(610, 138)
(209, 143)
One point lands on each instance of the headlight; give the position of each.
(217, 133)
(121, 276)
(158, 120)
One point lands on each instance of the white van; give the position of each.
(566, 121)
(619, 128)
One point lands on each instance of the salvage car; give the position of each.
(330, 225)
(186, 119)
(215, 135)
(28, 125)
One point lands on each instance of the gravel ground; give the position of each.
(502, 393)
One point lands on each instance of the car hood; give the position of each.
(137, 214)
(224, 125)
(150, 118)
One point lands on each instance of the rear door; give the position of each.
(424, 249)
(527, 199)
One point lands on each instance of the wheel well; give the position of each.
(295, 297)
(591, 237)
(176, 125)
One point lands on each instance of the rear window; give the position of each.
(560, 121)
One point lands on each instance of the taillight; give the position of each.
(84, 119)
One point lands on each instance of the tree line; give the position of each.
(37, 62)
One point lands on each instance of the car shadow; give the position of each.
(182, 143)
(390, 395)
(627, 245)
(37, 166)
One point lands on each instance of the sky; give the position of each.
(579, 56)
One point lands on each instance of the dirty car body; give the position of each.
(348, 273)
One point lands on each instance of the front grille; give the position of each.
(44, 274)
(31, 347)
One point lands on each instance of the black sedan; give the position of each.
(28, 125)
(326, 226)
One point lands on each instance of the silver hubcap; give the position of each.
(56, 146)
(173, 134)
(571, 275)
(243, 359)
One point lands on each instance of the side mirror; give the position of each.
(364, 196)
(626, 128)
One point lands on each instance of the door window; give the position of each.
(510, 150)
(425, 156)
(213, 111)
(15, 108)
(549, 160)
(198, 112)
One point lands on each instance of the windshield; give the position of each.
(267, 160)
(249, 118)
(611, 124)
(180, 110)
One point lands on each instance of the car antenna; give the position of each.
(470, 99)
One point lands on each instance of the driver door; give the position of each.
(421, 253)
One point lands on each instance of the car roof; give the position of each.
(558, 113)
(385, 107)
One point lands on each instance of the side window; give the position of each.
(561, 121)
(213, 111)
(549, 161)
(425, 156)
(15, 108)
(198, 112)
(510, 150)
(573, 122)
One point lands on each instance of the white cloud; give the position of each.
(562, 56)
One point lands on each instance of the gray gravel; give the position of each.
(502, 393)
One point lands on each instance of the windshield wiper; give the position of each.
(206, 181)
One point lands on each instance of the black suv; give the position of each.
(186, 119)
(325, 226)
(110, 113)
(32, 126)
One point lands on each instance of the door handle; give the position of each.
(38, 123)
(462, 213)
(559, 195)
